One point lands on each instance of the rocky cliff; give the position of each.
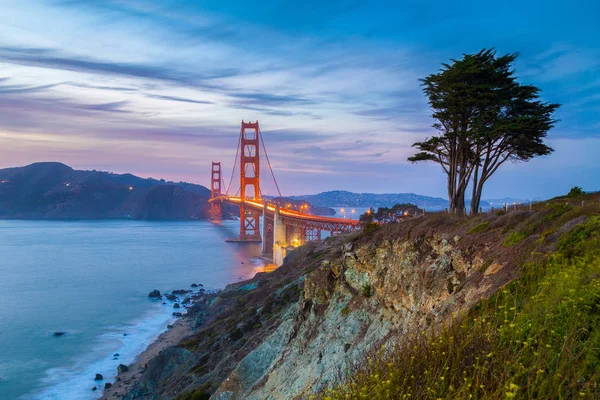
(289, 333)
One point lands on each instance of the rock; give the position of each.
(194, 285)
(176, 305)
(59, 333)
(122, 368)
(98, 377)
(169, 326)
(107, 385)
(164, 302)
(186, 300)
(177, 314)
(171, 297)
(124, 334)
(180, 291)
(116, 355)
(154, 294)
(94, 389)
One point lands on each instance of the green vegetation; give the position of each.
(538, 337)
(576, 191)
(387, 214)
(479, 228)
(514, 238)
(368, 290)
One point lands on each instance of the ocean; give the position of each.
(91, 279)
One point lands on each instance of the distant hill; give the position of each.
(342, 198)
(51, 190)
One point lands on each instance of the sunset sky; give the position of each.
(159, 88)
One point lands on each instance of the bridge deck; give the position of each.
(259, 206)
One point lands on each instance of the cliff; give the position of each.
(316, 321)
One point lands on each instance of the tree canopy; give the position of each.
(484, 117)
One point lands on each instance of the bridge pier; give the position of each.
(279, 238)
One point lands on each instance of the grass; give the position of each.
(514, 238)
(482, 227)
(538, 337)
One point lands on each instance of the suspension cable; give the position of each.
(237, 153)
(269, 162)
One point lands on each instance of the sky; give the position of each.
(159, 88)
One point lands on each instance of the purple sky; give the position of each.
(160, 90)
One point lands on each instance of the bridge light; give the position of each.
(130, 187)
(342, 210)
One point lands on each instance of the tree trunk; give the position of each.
(475, 200)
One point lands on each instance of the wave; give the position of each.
(128, 341)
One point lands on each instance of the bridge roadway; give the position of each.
(283, 228)
(259, 206)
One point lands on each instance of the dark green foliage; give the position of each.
(371, 227)
(368, 290)
(479, 228)
(386, 214)
(575, 192)
(484, 117)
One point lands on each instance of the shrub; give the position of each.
(514, 238)
(371, 227)
(575, 191)
(479, 228)
(368, 290)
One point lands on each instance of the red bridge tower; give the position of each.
(215, 187)
(249, 180)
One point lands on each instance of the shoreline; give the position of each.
(125, 380)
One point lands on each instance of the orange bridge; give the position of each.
(280, 228)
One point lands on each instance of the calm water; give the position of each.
(91, 280)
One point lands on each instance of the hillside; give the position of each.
(341, 198)
(51, 190)
(501, 305)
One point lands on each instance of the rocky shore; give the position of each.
(196, 304)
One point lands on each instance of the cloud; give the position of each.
(180, 99)
(48, 58)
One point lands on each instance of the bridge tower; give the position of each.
(215, 187)
(249, 180)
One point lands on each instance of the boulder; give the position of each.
(58, 333)
(180, 291)
(116, 355)
(177, 314)
(186, 300)
(107, 385)
(94, 389)
(171, 297)
(98, 377)
(176, 305)
(154, 294)
(194, 285)
(122, 368)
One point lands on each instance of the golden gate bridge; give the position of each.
(282, 227)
